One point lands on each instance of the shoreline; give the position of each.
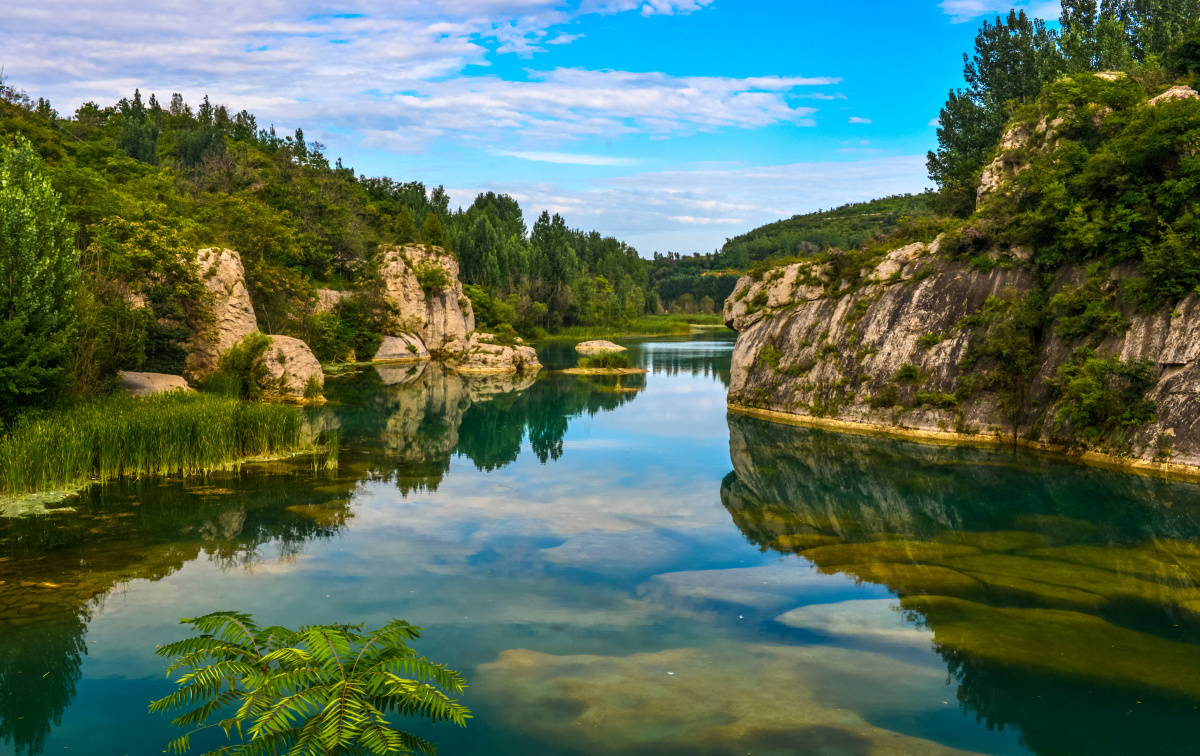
(1169, 470)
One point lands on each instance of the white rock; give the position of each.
(1175, 93)
(233, 314)
(484, 355)
(402, 348)
(290, 364)
(598, 346)
(148, 384)
(442, 319)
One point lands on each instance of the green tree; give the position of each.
(39, 270)
(321, 690)
(139, 134)
(405, 227)
(433, 233)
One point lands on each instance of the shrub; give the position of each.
(1098, 395)
(432, 278)
(605, 361)
(930, 340)
(908, 373)
(241, 370)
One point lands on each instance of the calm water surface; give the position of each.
(629, 570)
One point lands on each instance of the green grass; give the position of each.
(605, 361)
(647, 325)
(119, 437)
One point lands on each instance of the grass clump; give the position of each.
(118, 437)
(604, 361)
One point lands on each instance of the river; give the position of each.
(626, 569)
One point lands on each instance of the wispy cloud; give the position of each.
(567, 158)
(962, 11)
(856, 119)
(696, 210)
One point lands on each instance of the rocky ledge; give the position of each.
(485, 354)
(909, 349)
(598, 346)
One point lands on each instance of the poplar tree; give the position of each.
(39, 269)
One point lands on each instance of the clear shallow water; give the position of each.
(635, 572)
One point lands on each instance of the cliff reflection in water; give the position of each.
(1064, 599)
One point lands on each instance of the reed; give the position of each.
(604, 361)
(118, 437)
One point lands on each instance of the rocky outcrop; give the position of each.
(232, 312)
(598, 346)
(484, 354)
(889, 354)
(327, 300)
(422, 282)
(290, 367)
(403, 348)
(1175, 93)
(149, 384)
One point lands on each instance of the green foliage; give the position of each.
(1087, 311)
(432, 278)
(604, 361)
(139, 134)
(432, 232)
(930, 340)
(241, 370)
(846, 227)
(116, 437)
(38, 277)
(1097, 395)
(323, 689)
(1009, 352)
(770, 356)
(908, 373)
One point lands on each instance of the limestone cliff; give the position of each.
(902, 350)
(422, 282)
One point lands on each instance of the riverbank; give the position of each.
(1170, 470)
(647, 325)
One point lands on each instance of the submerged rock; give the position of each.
(148, 384)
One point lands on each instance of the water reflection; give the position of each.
(1064, 600)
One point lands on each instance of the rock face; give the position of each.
(403, 348)
(233, 313)
(327, 300)
(486, 355)
(440, 313)
(889, 353)
(598, 346)
(291, 364)
(148, 384)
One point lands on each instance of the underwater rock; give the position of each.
(1063, 642)
(885, 551)
(868, 619)
(910, 579)
(768, 700)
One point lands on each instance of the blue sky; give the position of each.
(671, 124)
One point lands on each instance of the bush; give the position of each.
(432, 278)
(1098, 395)
(241, 370)
(605, 361)
(908, 373)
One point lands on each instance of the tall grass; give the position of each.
(647, 325)
(125, 437)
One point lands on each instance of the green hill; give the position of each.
(846, 227)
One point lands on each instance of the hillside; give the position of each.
(845, 227)
(1063, 312)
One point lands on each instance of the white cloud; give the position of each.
(389, 72)
(567, 158)
(935, 122)
(856, 119)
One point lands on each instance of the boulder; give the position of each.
(233, 313)
(148, 384)
(486, 355)
(1175, 93)
(440, 313)
(598, 346)
(402, 348)
(290, 365)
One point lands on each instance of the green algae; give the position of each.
(801, 541)
(886, 551)
(910, 579)
(1073, 644)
